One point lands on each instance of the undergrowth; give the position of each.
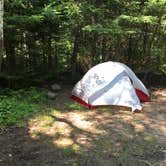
(18, 105)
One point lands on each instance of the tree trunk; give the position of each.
(75, 53)
(1, 33)
(129, 51)
(21, 58)
(103, 50)
(10, 53)
(94, 49)
(49, 51)
(44, 44)
(56, 50)
(1, 53)
(31, 49)
(145, 41)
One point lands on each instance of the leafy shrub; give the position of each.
(17, 105)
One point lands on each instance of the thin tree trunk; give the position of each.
(145, 41)
(31, 49)
(21, 58)
(129, 51)
(49, 51)
(1, 53)
(103, 50)
(10, 52)
(56, 53)
(44, 58)
(94, 49)
(1, 33)
(75, 53)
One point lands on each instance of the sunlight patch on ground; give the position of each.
(83, 139)
(41, 120)
(81, 121)
(63, 142)
(149, 137)
(139, 128)
(107, 130)
(160, 127)
(72, 129)
(163, 129)
(159, 95)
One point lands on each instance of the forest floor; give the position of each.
(63, 133)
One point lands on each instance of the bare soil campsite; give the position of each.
(73, 74)
(63, 133)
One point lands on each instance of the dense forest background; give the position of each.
(60, 40)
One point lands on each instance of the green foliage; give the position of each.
(17, 105)
(48, 38)
(25, 20)
(163, 68)
(152, 20)
(114, 30)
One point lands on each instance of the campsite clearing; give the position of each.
(65, 133)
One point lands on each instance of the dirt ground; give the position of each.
(64, 133)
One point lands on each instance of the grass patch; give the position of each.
(68, 151)
(18, 105)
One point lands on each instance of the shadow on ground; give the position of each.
(67, 134)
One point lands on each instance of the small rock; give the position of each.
(52, 95)
(55, 87)
(10, 155)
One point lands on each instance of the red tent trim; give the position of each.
(142, 96)
(77, 99)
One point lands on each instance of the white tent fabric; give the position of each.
(110, 83)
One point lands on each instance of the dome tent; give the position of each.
(110, 83)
